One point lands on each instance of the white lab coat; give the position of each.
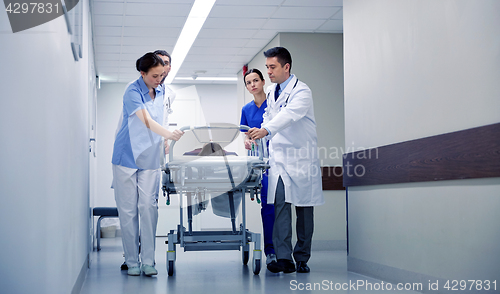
(293, 149)
(168, 100)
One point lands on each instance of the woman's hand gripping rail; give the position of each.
(144, 116)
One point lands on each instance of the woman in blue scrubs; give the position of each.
(251, 116)
(136, 164)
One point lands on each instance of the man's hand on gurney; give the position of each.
(175, 135)
(248, 142)
(256, 133)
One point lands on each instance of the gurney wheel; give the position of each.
(245, 256)
(256, 266)
(170, 267)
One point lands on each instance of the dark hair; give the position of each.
(148, 61)
(282, 54)
(163, 53)
(252, 70)
(212, 149)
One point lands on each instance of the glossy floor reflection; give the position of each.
(219, 272)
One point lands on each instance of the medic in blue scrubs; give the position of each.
(251, 116)
(136, 164)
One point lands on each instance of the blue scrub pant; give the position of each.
(267, 213)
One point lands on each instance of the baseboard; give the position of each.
(329, 245)
(396, 275)
(81, 277)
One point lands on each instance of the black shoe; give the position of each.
(288, 266)
(274, 267)
(302, 267)
(124, 266)
(282, 265)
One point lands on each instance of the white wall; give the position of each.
(45, 213)
(430, 66)
(317, 60)
(415, 69)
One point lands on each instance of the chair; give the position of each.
(103, 212)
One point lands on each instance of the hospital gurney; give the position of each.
(227, 177)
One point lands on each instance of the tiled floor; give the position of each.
(220, 272)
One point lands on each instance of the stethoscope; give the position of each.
(169, 109)
(286, 101)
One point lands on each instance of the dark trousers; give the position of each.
(282, 231)
(267, 213)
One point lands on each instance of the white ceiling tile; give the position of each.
(142, 49)
(162, 42)
(203, 58)
(132, 71)
(244, 11)
(339, 14)
(110, 64)
(111, 70)
(233, 34)
(256, 43)
(107, 56)
(98, 1)
(249, 51)
(265, 34)
(190, 2)
(132, 57)
(201, 65)
(151, 32)
(108, 48)
(154, 21)
(306, 12)
(227, 33)
(108, 20)
(211, 50)
(298, 25)
(107, 31)
(235, 23)
(164, 9)
(254, 2)
(234, 42)
(240, 59)
(108, 8)
(99, 40)
(336, 25)
(311, 3)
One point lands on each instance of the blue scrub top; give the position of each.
(136, 146)
(251, 115)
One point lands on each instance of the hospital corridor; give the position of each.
(265, 146)
(222, 272)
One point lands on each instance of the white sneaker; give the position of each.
(134, 271)
(270, 258)
(149, 270)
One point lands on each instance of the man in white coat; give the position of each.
(169, 97)
(294, 176)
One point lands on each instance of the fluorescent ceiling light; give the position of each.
(194, 23)
(207, 79)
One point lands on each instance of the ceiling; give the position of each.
(234, 32)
